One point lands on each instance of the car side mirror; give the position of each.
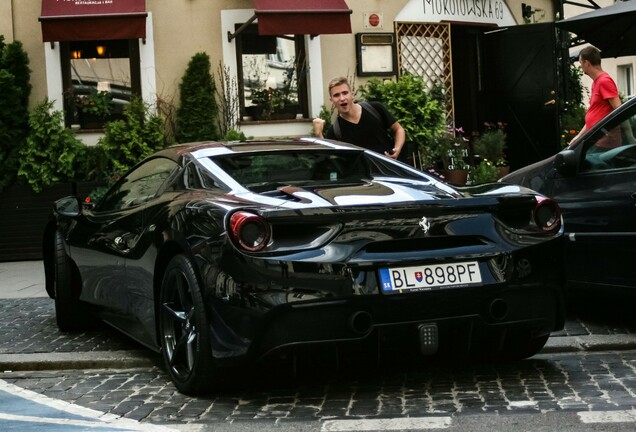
(68, 206)
(565, 162)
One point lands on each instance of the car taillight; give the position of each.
(249, 230)
(547, 214)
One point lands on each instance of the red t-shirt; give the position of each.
(603, 88)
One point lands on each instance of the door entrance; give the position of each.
(506, 74)
(520, 67)
(468, 78)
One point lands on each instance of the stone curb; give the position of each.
(81, 360)
(561, 344)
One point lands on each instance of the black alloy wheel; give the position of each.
(69, 313)
(183, 329)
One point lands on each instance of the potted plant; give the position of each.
(484, 172)
(491, 146)
(93, 109)
(452, 147)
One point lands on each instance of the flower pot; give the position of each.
(456, 177)
(502, 171)
(254, 111)
(282, 116)
(289, 112)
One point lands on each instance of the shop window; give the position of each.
(274, 76)
(99, 76)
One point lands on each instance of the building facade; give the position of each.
(264, 49)
(62, 39)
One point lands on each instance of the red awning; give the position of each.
(313, 17)
(78, 20)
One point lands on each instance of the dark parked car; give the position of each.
(223, 254)
(594, 182)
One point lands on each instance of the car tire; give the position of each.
(183, 329)
(69, 312)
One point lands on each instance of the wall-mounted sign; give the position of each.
(373, 20)
(472, 11)
(376, 54)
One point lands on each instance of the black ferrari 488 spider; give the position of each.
(219, 255)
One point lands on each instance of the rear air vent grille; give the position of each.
(410, 245)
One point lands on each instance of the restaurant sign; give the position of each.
(471, 11)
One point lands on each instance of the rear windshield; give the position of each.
(260, 170)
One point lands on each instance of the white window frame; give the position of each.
(625, 79)
(55, 91)
(229, 19)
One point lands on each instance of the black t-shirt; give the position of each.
(369, 132)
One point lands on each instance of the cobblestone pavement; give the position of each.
(567, 382)
(28, 325)
(572, 382)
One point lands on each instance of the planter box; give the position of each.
(91, 121)
(23, 216)
(288, 113)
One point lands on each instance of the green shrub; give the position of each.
(326, 114)
(234, 135)
(49, 155)
(16, 61)
(572, 114)
(92, 165)
(491, 145)
(136, 136)
(484, 172)
(197, 112)
(14, 114)
(418, 110)
(572, 121)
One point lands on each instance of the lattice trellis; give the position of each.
(424, 49)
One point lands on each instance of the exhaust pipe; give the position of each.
(498, 309)
(361, 322)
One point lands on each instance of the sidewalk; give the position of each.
(30, 339)
(22, 279)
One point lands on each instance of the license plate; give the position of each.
(428, 277)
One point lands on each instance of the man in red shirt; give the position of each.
(604, 96)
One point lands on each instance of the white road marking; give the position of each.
(608, 416)
(522, 404)
(94, 419)
(409, 423)
(68, 422)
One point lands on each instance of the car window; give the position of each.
(613, 146)
(196, 178)
(381, 167)
(138, 186)
(264, 171)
